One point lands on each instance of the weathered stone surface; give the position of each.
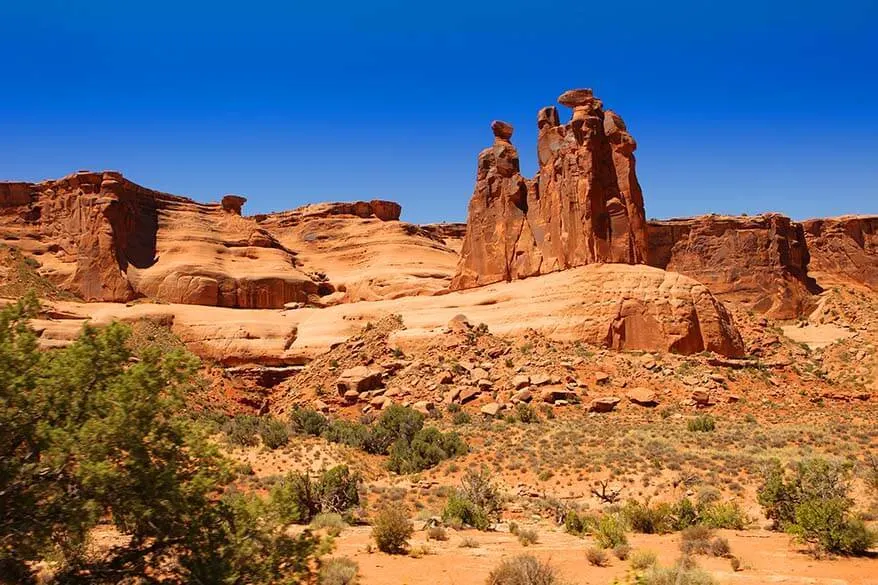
(603, 404)
(360, 379)
(233, 203)
(105, 238)
(701, 396)
(761, 261)
(642, 396)
(584, 205)
(552, 394)
(845, 248)
(491, 409)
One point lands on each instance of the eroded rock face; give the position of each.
(584, 205)
(105, 238)
(845, 247)
(761, 261)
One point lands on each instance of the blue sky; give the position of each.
(738, 107)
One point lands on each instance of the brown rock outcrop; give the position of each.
(105, 238)
(845, 247)
(584, 205)
(760, 261)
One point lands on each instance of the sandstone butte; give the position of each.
(583, 206)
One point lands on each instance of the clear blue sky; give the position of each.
(741, 106)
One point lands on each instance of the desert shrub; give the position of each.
(523, 570)
(696, 540)
(298, 499)
(338, 571)
(338, 490)
(610, 531)
(573, 523)
(461, 417)
(349, 433)
(643, 559)
(330, 521)
(426, 449)
(295, 498)
(460, 511)
(735, 564)
(274, 433)
(392, 530)
(622, 551)
(437, 533)
(684, 514)
(243, 430)
(89, 435)
(396, 423)
(468, 542)
(648, 519)
(723, 515)
(597, 557)
(827, 526)
(719, 547)
(812, 502)
(703, 423)
(527, 536)
(679, 574)
(307, 421)
(525, 413)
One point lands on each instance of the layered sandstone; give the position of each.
(612, 305)
(106, 238)
(844, 248)
(760, 261)
(583, 206)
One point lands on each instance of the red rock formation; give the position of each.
(760, 261)
(107, 239)
(845, 247)
(584, 205)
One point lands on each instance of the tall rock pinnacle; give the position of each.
(583, 206)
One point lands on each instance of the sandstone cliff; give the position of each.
(584, 205)
(759, 261)
(844, 248)
(105, 238)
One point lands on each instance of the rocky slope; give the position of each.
(761, 261)
(583, 206)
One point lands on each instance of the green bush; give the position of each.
(90, 435)
(307, 421)
(392, 530)
(349, 433)
(298, 499)
(338, 571)
(679, 574)
(461, 417)
(703, 423)
(427, 449)
(274, 433)
(610, 531)
(647, 519)
(723, 515)
(523, 570)
(813, 503)
(243, 430)
(476, 503)
(525, 413)
(396, 423)
(828, 526)
(330, 521)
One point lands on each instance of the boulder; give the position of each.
(642, 396)
(603, 404)
(552, 394)
(359, 379)
(491, 409)
(520, 381)
(701, 396)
